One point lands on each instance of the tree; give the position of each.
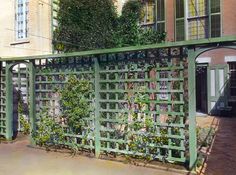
(129, 32)
(94, 24)
(85, 25)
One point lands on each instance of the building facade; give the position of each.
(25, 28)
(198, 19)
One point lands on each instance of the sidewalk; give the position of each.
(19, 159)
(222, 158)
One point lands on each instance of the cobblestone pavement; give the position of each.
(20, 159)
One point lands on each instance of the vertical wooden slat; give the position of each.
(9, 102)
(97, 108)
(192, 108)
(32, 109)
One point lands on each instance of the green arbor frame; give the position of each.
(167, 71)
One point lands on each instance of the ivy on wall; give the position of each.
(86, 24)
(94, 24)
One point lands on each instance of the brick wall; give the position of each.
(229, 17)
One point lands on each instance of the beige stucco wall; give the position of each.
(119, 4)
(39, 38)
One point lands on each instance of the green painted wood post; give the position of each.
(9, 102)
(97, 107)
(32, 111)
(192, 108)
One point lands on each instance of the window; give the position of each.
(215, 18)
(160, 15)
(22, 19)
(153, 15)
(197, 19)
(179, 23)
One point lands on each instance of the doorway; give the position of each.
(201, 88)
(20, 82)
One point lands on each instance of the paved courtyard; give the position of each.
(222, 156)
(19, 159)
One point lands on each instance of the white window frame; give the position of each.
(21, 17)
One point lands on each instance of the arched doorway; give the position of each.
(20, 82)
(215, 68)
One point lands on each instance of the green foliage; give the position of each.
(24, 123)
(150, 36)
(142, 132)
(205, 136)
(94, 24)
(86, 24)
(25, 126)
(48, 132)
(129, 32)
(75, 104)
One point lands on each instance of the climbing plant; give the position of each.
(142, 133)
(48, 132)
(24, 122)
(129, 32)
(74, 102)
(85, 25)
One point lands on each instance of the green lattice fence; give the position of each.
(52, 74)
(2, 100)
(159, 75)
(142, 101)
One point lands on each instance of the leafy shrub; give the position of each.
(25, 126)
(48, 132)
(75, 104)
(142, 133)
(129, 32)
(94, 24)
(85, 25)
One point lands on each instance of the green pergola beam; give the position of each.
(206, 42)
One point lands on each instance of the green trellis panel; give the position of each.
(52, 74)
(2, 100)
(114, 77)
(164, 70)
(122, 74)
